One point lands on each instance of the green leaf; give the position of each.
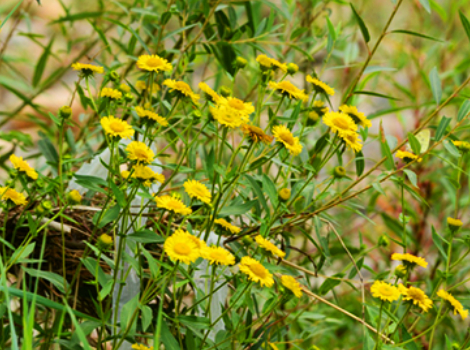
(237, 209)
(146, 313)
(78, 328)
(259, 193)
(146, 236)
(110, 215)
(414, 143)
(360, 163)
(412, 177)
(442, 127)
(329, 284)
(167, 338)
(450, 147)
(409, 32)
(362, 25)
(465, 23)
(78, 16)
(41, 65)
(120, 198)
(270, 189)
(375, 94)
(426, 5)
(55, 279)
(435, 85)
(436, 238)
(464, 110)
(10, 13)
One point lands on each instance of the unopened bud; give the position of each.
(114, 76)
(292, 68)
(284, 194)
(225, 91)
(65, 112)
(240, 62)
(339, 172)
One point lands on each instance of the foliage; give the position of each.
(234, 174)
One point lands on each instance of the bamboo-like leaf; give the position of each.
(465, 23)
(435, 82)
(362, 25)
(409, 32)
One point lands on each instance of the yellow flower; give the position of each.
(154, 63)
(227, 116)
(182, 88)
(284, 194)
(268, 63)
(144, 113)
(141, 347)
(454, 224)
(407, 156)
(284, 135)
(23, 166)
(237, 106)
(139, 152)
(384, 291)
(125, 88)
(353, 141)
(318, 110)
(458, 308)
(288, 89)
(211, 94)
(266, 244)
(228, 226)
(105, 240)
(75, 197)
(292, 284)
(463, 146)
(195, 189)
(173, 204)
(115, 127)
(341, 123)
(200, 244)
(111, 93)
(256, 134)
(218, 256)
(87, 69)
(320, 86)
(12, 195)
(141, 85)
(410, 260)
(358, 117)
(181, 248)
(147, 175)
(256, 272)
(416, 296)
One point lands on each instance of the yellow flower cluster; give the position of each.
(151, 116)
(23, 167)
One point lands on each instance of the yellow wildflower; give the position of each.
(291, 283)
(154, 63)
(320, 86)
(182, 88)
(174, 204)
(195, 189)
(228, 226)
(9, 194)
(218, 256)
(256, 272)
(111, 93)
(139, 152)
(384, 291)
(23, 167)
(266, 244)
(288, 89)
(284, 135)
(115, 127)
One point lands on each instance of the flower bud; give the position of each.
(462, 146)
(47, 205)
(105, 241)
(313, 118)
(196, 116)
(400, 271)
(384, 241)
(292, 68)
(65, 112)
(455, 346)
(124, 88)
(247, 240)
(284, 194)
(74, 197)
(176, 195)
(225, 91)
(454, 224)
(240, 62)
(339, 172)
(114, 76)
(128, 97)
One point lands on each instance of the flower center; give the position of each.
(117, 127)
(387, 291)
(287, 138)
(258, 270)
(140, 154)
(182, 249)
(341, 123)
(217, 256)
(154, 62)
(236, 104)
